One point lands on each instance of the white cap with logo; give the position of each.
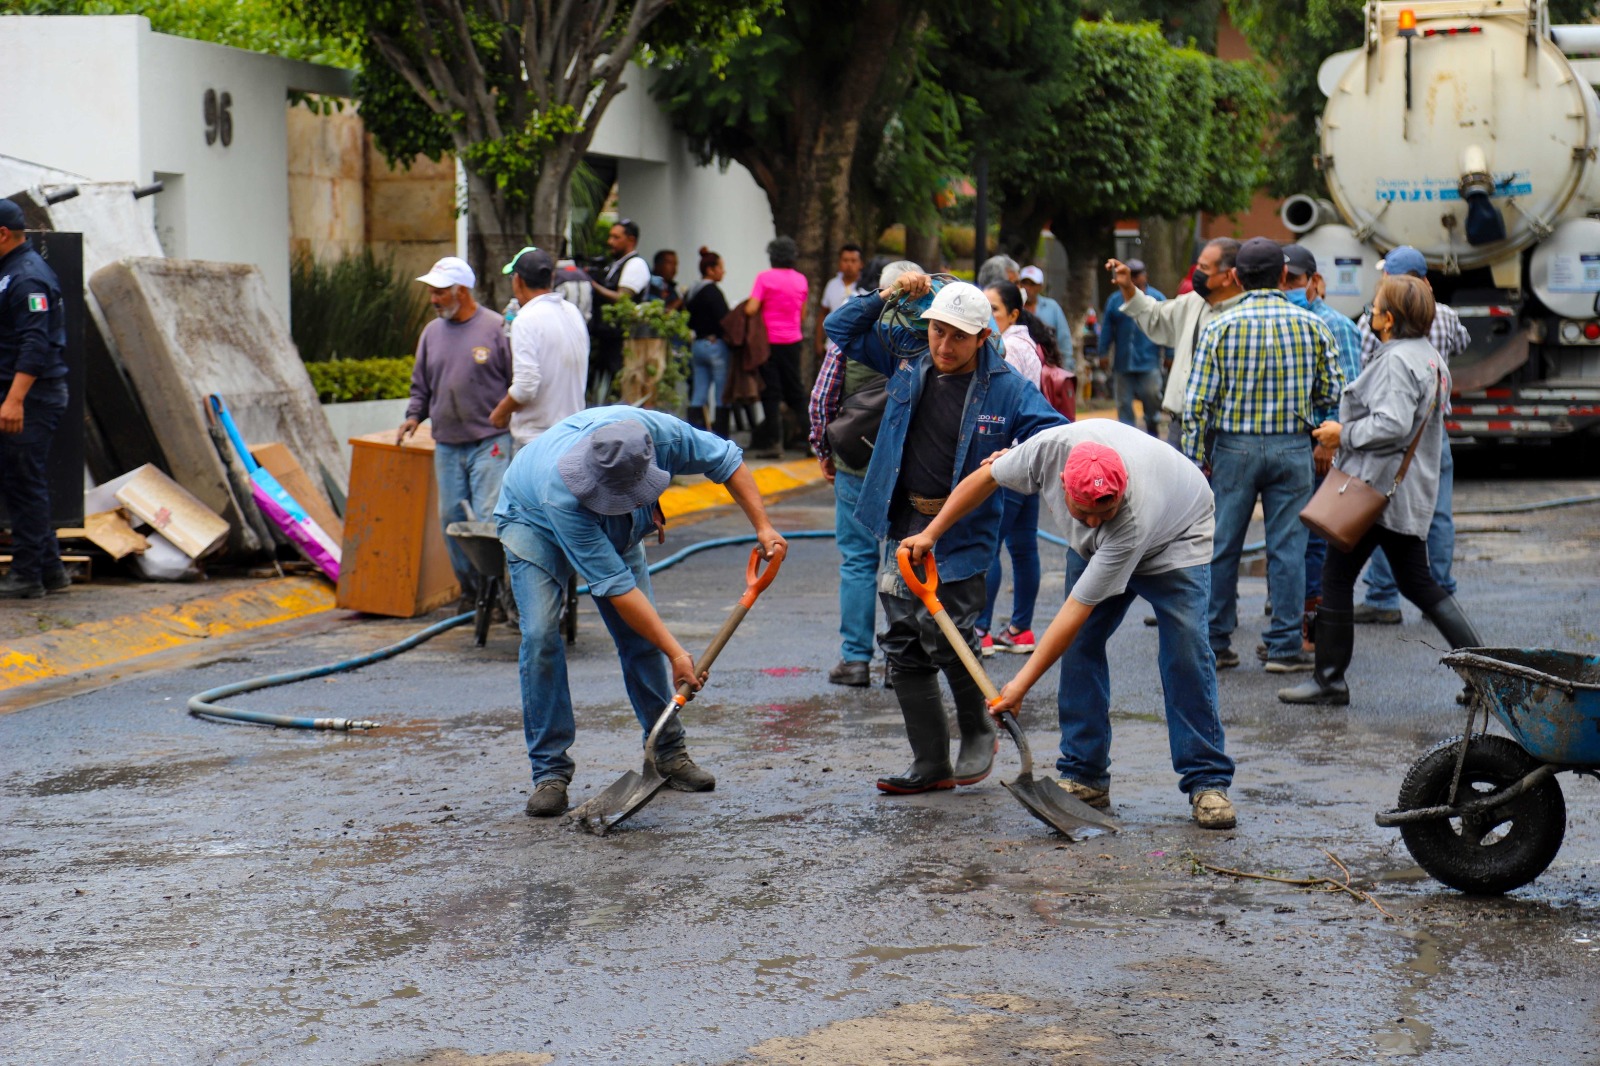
(448, 272)
(1033, 274)
(961, 305)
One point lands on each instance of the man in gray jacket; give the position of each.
(1176, 323)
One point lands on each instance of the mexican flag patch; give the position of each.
(38, 301)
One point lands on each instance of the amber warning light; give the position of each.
(1408, 22)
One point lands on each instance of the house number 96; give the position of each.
(219, 117)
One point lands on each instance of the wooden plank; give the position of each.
(175, 512)
(281, 464)
(111, 532)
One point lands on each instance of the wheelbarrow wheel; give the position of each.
(1494, 852)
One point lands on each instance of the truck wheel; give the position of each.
(1494, 852)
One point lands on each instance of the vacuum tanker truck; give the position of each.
(1468, 129)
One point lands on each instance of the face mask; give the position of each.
(1298, 298)
(1201, 283)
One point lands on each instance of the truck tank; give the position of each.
(1465, 133)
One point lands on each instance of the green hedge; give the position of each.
(348, 380)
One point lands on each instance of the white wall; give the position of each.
(126, 104)
(678, 203)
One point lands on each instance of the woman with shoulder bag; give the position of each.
(1390, 432)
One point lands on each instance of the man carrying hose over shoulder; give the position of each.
(951, 401)
(582, 497)
(1138, 519)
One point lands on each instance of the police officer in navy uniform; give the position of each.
(33, 395)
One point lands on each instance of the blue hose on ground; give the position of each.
(201, 705)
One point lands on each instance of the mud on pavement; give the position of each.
(173, 891)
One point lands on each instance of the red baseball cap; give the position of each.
(1093, 472)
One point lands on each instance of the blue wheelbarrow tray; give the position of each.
(481, 543)
(1548, 700)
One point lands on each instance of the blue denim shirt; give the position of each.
(1135, 353)
(535, 502)
(1001, 407)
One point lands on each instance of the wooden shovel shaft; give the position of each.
(964, 650)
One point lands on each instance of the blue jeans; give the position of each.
(1188, 681)
(1146, 385)
(858, 572)
(1019, 532)
(540, 585)
(1382, 592)
(708, 368)
(24, 480)
(1277, 468)
(470, 472)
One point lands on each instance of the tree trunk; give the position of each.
(1022, 219)
(1087, 243)
(492, 240)
(1168, 245)
(922, 247)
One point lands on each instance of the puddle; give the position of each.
(153, 775)
(1408, 1036)
(875, 956)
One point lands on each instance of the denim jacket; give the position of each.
(1001, 407)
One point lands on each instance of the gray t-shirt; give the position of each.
(1166, 521)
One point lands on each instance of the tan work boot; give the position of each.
(1098, 798)
(1212, 809)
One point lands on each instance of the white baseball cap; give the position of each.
(1033, 274)
(961, 305)
(448, 272)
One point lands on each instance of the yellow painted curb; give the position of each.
(773, 480)
(117, 640)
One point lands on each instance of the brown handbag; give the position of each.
(1345, 507)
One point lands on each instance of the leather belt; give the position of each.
(927, 505)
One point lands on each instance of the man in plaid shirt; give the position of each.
(1450, 338)
(1265, 374)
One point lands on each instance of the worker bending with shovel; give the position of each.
(951, 401)
(1138, 518)
(582, 497)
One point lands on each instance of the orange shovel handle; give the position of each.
(756, 580)
(923, 589)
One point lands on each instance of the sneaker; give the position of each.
(1368, 615)
(1227, 658)
(682, 774)
(986, 645)
(13, 587)
(549, 798)
(1014, 642)
(1212, 809)
(1098, 798)
(855, 674)
(1294, 664)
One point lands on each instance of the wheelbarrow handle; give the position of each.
(756, 580)
(924, 589)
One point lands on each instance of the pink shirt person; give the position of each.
(782, 292)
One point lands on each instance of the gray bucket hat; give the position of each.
(613, 469)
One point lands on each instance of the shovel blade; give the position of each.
(1055, 808)
(621, 799)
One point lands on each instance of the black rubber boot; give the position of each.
(929, 734)
(696, 417)
(980, 736)
(723, 420)
(1453, 624)
(767, 438)
(1336, 640)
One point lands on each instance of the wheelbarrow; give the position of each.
(481, 543)
(1484, 814)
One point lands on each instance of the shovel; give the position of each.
(634, 789)
(1058, 809)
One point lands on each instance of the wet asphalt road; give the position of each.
(173, 891)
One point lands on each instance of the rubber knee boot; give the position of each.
(696, 417)
(723, 420)
(767, 436)
(1453, 624)
(928, 732)
(1336, 639)
(980, 736)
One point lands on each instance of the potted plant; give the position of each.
(651, 370)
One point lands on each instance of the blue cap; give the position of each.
(1405, 260)
(11, 215)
